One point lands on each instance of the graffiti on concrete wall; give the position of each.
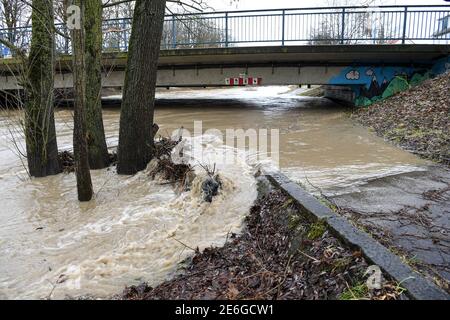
(371, 84)
(441, 66)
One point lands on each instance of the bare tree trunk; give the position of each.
(98, 150)
(42, 148)
(84, 183)
(136, 119)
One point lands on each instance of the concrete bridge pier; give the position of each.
(341, 94)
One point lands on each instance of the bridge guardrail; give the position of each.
(330, 26)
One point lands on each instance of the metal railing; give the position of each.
(307, 26)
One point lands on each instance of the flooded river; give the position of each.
(139, 230)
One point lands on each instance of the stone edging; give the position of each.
(417, 286)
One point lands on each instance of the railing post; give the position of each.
(66, 41)
(405, 18)
(343, 26)
(174, 32)
(283, 27)
(125, 35)
(226, 30)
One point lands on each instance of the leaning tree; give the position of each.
(95, 132)
(84, 183)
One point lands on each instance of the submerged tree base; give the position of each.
(273, 259)
(165, 168)
(67, 161)
(163, 165)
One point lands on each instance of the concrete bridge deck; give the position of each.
(275, 65)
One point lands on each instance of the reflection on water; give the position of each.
(134, 229)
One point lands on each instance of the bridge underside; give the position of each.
(337, 65)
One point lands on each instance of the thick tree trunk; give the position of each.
(136, 119)
(42, 148)
(98, 150)
(84, 183)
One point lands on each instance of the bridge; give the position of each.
(361, 48)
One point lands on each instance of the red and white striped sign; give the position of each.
(243, 81)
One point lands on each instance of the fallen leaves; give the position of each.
(417, 120)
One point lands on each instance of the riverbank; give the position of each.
(417, 120)
(279, 255)
(408, 212)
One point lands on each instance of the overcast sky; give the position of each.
(276, 4)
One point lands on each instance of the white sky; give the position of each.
(271, 27)
(220, 5)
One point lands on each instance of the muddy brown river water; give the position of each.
(52, 246)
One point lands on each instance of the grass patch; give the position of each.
(288, 203)
(341, 264)
(357, 292)
(316, 231)
(294, 221)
